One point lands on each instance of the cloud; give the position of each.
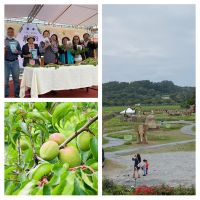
(150, 42)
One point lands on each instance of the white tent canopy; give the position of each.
(78, 15)
(128, 111)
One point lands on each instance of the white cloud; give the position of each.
(150, 41)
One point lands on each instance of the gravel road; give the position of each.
(172, 168)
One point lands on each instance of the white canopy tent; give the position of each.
(128, 111)
(77, 15)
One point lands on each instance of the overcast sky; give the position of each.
(149, 42)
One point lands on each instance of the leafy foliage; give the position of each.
(27, 127)
(112, 188)
(145, 92)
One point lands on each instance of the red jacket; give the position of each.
(147, 165)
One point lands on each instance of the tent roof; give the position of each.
(78, 15)
(128, 111)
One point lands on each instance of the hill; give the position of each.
(146, 92)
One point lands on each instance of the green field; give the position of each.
(178, 147)
(107, 110)
(154, 138)
(166, 117)
(116, 124)
(168, 132)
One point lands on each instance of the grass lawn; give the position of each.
(118, 128)
(107, 110)
(166, 117)
(116, 124)
(179, 147)
(104, 141)
(154, 137)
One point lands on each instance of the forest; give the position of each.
(146, 92)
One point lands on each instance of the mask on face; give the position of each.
(10, 38)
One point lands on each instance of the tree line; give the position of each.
(147, 93)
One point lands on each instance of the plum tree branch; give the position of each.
(40, 159)
(19, 151)
(33, 146)
(32, 142)
(83, 167)
(83, 128)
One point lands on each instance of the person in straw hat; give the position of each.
(30, 52)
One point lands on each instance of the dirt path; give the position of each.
(188, 129)
(115, 141)
(172, 168)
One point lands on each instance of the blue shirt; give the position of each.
(9, 55)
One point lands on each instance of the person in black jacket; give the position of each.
(27, 53)
(90, 45)
(103, 157)
(137, 160)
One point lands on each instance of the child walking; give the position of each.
(146, 166)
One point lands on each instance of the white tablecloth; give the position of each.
(42, 80)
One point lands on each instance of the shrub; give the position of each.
(111, 188)
(164, 190)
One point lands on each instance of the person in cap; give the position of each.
(30, 52)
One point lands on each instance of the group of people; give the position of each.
(140, 164)
(47, 52)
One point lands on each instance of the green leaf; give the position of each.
(35, 115)
(69, 188)
(95, 180)
(85, 155)
(80, 124)
(44, 129)
(55, 180)
(28, 155)
(40, 105)
(90, 161)
(94, 147)
(10, 188)
(87, 180)
(8, 170)
(26, 188)
(57, 170)
(79, 187)
(61, 111)
(46, 190)
(46, 115)
(24, 127)
(37, 191)
(57, 190)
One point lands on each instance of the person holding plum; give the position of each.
(48, 48)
